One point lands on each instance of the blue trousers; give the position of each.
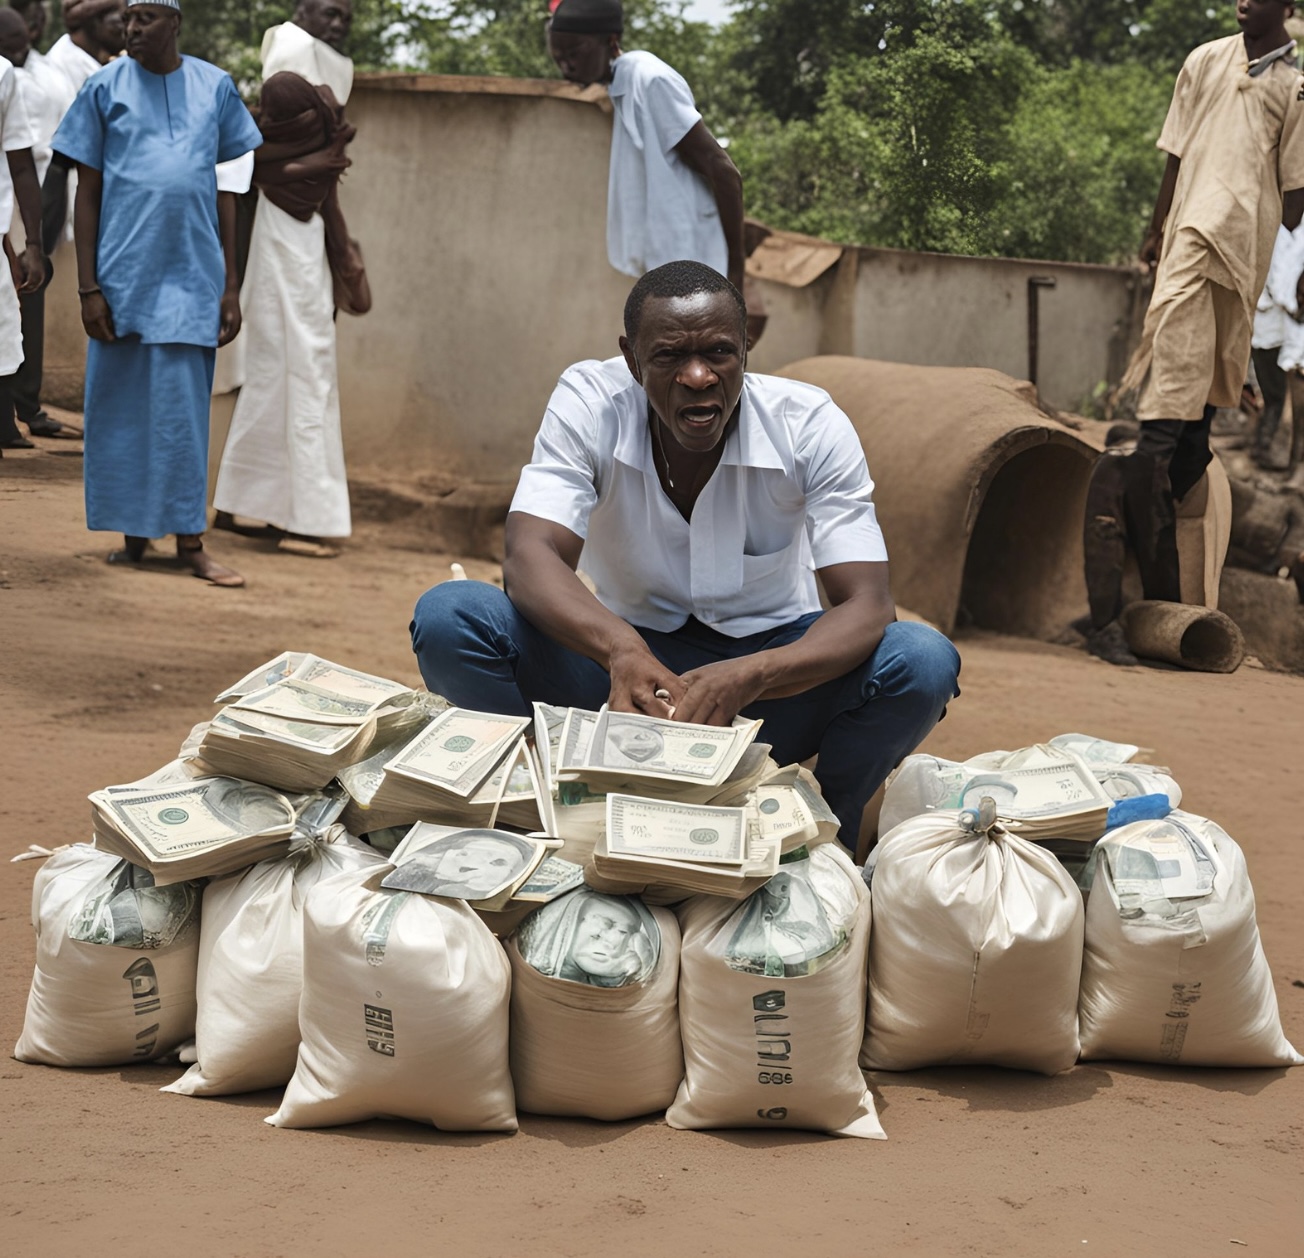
(479, 652)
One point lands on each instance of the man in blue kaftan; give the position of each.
(157, 279)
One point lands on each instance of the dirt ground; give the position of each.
(105, 670)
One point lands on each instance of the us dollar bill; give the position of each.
(171, 823)
(627, 743)
(459, 749)
(663, 830)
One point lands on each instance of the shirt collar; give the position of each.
(1263, 64)
(747, 445)
(618, 85)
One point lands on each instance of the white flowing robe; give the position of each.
(284, 456)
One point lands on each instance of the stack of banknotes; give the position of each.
(192, 828)
(295, 722)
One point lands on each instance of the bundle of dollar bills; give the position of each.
(296, 721)
(667, 850)
(1042, 793)
(197, 828)
(461, 768)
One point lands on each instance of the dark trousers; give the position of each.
(1132, 501)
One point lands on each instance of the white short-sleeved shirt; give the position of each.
(659, 209)
(792, 494)
(74, 63)
(46, 97)
(16, 132)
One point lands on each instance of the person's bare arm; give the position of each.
(27, 192)
(1153, 244)
(97, 318)
(539, 577)
(701, 151)
(840, 640)
(230, 307)
(1292, 211)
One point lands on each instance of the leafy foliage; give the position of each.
(1016, 127)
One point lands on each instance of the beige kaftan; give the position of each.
(1240, 139)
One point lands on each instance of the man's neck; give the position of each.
(88, 46)
(161, 66)
(1261, 47)
(306, 31)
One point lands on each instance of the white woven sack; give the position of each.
(251, 967)
(1181, 981)
(778, 1049)
(976, 951)
(404, 1012)
(916, 787)
(102, 1003)
(589, 1045)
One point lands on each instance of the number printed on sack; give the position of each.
(774, 1076)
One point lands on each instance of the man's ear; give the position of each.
(631, 361)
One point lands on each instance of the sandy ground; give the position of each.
(105, 670)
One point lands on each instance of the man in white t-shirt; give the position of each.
(672, 191)
(703, 503)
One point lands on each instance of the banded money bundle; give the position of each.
(198, 828)
(295, 722)
(461, 768)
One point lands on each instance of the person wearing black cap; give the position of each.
(672, 193)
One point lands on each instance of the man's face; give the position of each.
(480, 865)
(602, 940)
(108, 31)
(1258, 18)
(15, 43)
(327, 20)
(36, 18)
(582, 59)
(689, 356)
(152, 34)
(637, 744)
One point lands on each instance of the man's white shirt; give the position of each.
(792, 494)
(659, 209)
(16, 132)
(75, 64)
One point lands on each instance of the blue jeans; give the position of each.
(479, 652)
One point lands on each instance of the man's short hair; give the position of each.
(678, 279)
(588, 17)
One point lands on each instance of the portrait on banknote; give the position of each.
(467, 865)
(587, 937)
(793, 925)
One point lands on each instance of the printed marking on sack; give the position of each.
(380, 1029)
(773, 1045)
(144, 1001)
(1173, 1038)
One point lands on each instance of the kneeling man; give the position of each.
(702, 502)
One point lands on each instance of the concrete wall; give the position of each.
(481, 208)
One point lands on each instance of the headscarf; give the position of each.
(78, 12)
(588, 17)
(298, 119)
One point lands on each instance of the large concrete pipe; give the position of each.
(980, 494)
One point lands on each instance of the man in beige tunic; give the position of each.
(1235, 143)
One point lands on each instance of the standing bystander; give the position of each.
(284, 458)
(25, 272)
(1235, 171)
(156, 275)
(672, 191)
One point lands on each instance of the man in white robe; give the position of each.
(284, 456)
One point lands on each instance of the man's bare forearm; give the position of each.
(543, 586)
(701, 151)
(1292, 208)
(86, 225)
(840, 640)
(27, 192)
(226, 219)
